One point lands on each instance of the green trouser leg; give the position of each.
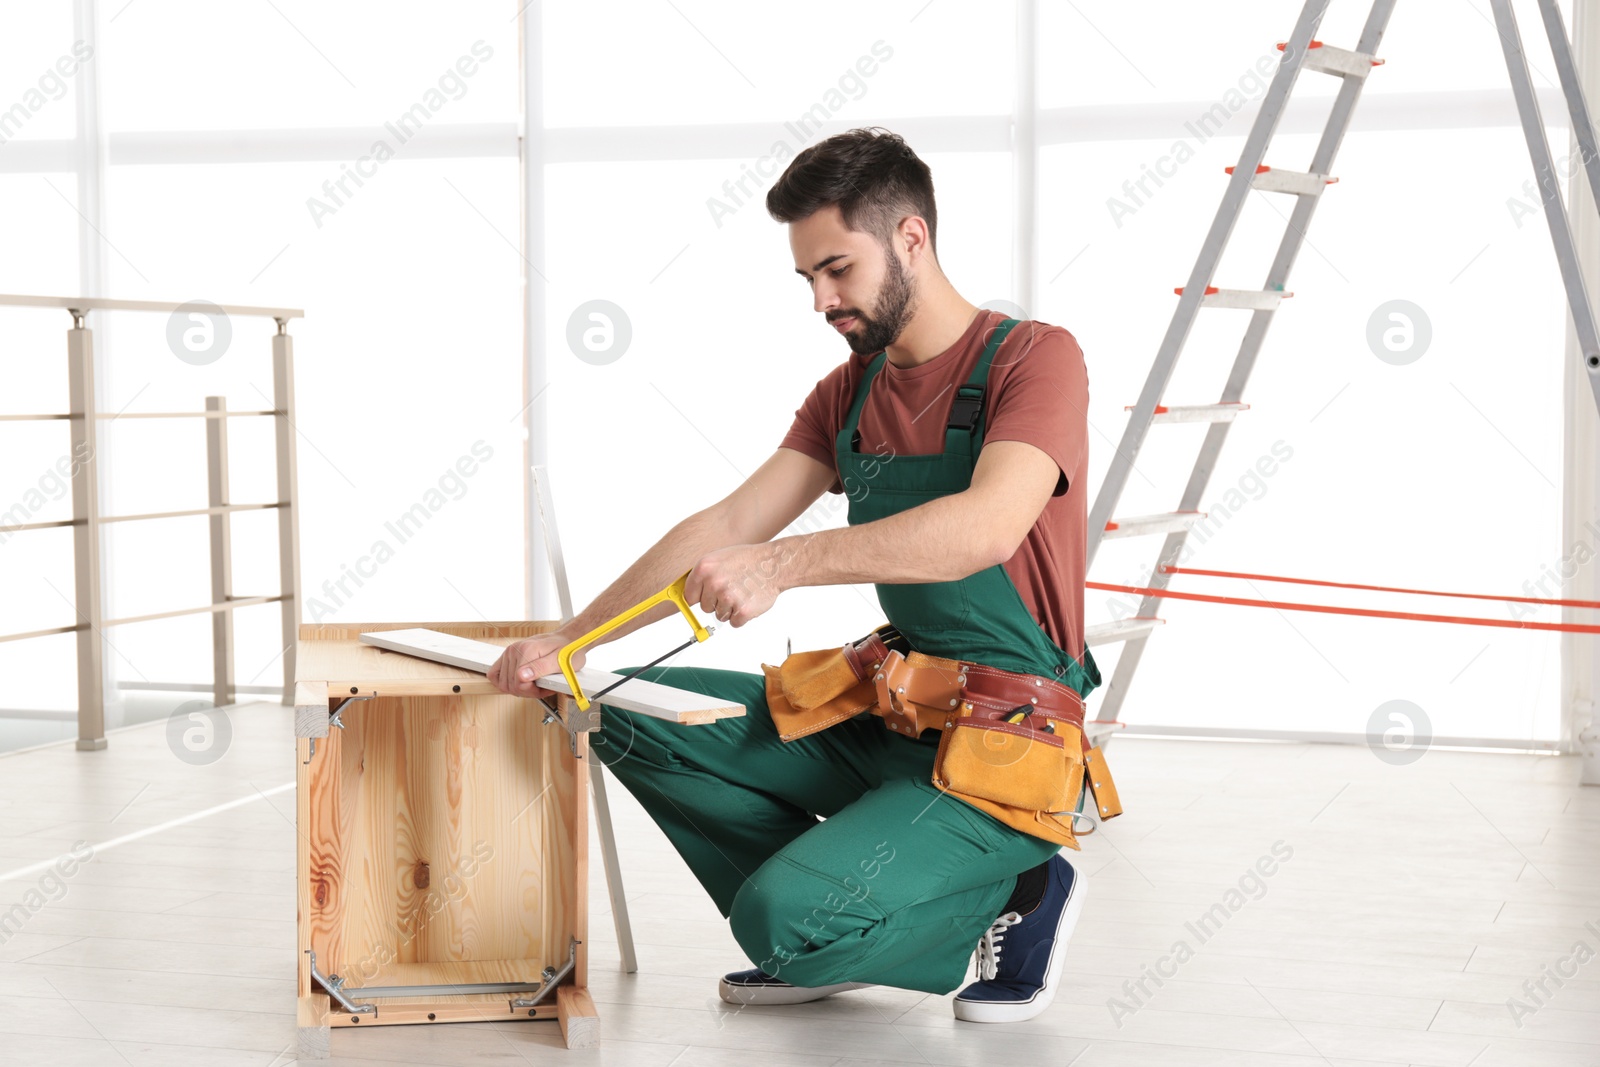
(894, 885)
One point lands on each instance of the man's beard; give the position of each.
(895, 305)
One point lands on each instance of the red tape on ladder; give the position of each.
(1383, 588)
(1464, 620)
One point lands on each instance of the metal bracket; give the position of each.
(335, 986)
(448, 989)
(333, 716)
(552, 977)
(334, 719)
(585, 721)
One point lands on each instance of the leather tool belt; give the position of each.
(1012, 744)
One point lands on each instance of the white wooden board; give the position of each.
(636, 694)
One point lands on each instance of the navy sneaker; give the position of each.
(1019, 958)
(756, 986)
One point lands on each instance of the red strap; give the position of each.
(1577, 628)
(1382, 588)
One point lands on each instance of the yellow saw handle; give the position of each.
(673, 592)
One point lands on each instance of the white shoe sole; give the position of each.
(974, 1011)
(792, 994)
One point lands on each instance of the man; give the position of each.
(960, 438)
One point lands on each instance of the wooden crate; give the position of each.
(443, 841)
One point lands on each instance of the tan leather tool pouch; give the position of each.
(1022, 773)
(1019, 765)
(812, 691)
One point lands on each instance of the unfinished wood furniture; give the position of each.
(443, 836)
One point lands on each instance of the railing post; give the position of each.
(289, 494)
(221, 551)
(86, 535)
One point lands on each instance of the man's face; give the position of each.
(860, 287)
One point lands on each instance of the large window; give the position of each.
(360, 161)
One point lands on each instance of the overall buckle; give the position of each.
(966, 409)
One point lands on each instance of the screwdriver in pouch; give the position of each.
(1022, 711)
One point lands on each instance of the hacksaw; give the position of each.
(675, 593)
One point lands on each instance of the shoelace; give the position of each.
(989, 946)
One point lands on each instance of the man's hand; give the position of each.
(736, 583)
(524, 661)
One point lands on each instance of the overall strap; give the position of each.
(848, 438)
(964, 429)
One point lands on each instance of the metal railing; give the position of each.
(86, 518)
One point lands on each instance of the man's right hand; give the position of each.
(532, 658)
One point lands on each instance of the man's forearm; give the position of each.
(652, 572)
(933, 542)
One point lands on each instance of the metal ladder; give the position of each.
(1555, 212)
(1302, 52)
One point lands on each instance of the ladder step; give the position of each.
(1249, 299)
(1195, 412)
(1108, 633)
(1337, 61)
(1277, 180)
(1166, 522)
(1095, 730)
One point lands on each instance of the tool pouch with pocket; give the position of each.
(812, 691)
(1028, 773)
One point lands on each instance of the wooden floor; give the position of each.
(1414, 903)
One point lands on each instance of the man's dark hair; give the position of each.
(872, 174)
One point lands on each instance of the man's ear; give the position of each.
(912, 235)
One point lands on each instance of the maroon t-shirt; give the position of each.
(1038, 392)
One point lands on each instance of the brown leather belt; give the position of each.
(917, 692)
(914, 692)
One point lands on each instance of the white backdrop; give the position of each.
(1443, 473)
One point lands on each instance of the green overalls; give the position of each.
(898, 881)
